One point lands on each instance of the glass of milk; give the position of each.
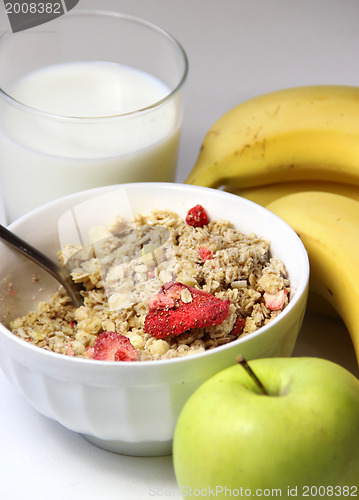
(86, 100)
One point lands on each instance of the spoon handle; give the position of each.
(60, 274)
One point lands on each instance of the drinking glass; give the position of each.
(91, 98)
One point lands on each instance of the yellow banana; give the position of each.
(328, 225)
(301, 133)
(266, 194)
(263, 195)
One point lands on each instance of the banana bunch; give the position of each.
(296, 152)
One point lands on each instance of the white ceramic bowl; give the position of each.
(132, 408)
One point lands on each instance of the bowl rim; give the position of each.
(113, 365)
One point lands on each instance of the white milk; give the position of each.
(45, 154)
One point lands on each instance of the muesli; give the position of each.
(160, 287)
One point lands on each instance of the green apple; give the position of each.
(298, 437)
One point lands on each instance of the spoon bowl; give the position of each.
(61, 274)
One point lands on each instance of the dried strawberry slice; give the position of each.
(238, 326)
(205, 253)
(112, 346)
(197, 216)
(275, 301)
(199, 310)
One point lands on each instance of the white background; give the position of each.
(237, 49)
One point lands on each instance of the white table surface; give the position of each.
(237, 49)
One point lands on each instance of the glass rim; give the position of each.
(111, 14)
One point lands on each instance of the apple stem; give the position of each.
(251, 373)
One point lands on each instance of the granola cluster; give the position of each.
(160, 287)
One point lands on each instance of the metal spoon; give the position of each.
(60, 274)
